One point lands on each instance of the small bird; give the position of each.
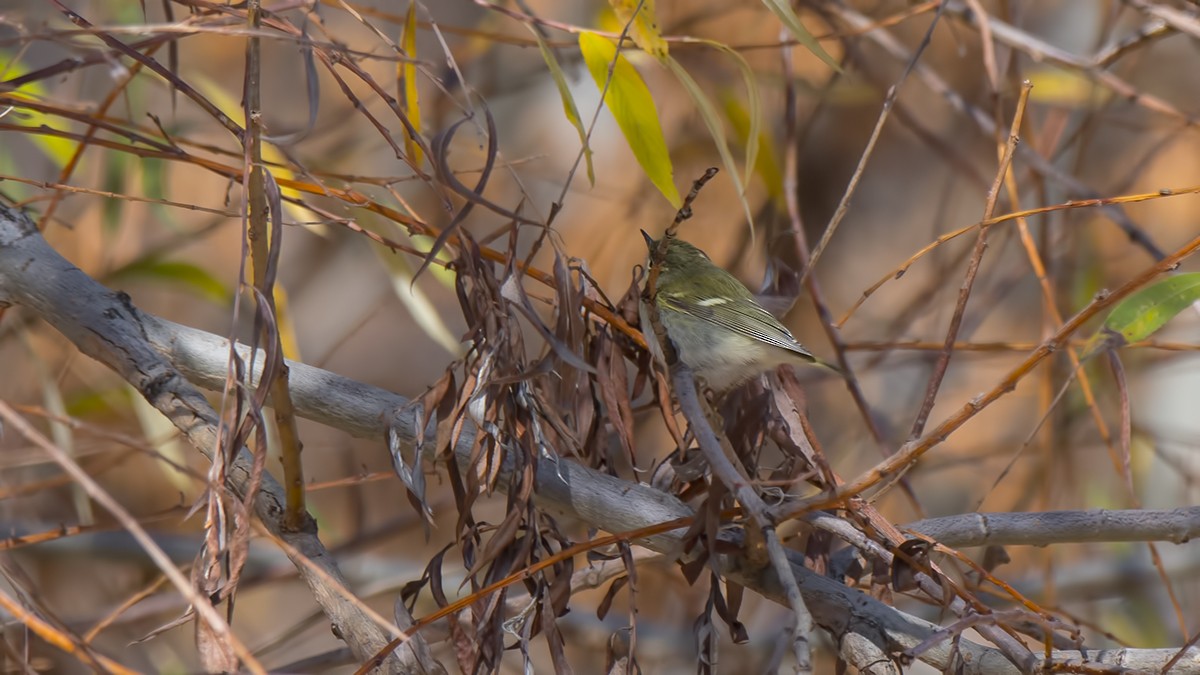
(717, 327)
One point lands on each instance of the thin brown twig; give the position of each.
(791, 194)
(52, 636)
(994, 347)
(885, 110)
(913, 450)
(981, 242)
(899, 270)
(201, 604)
(702, 422)
(987, 125)
(264, 252)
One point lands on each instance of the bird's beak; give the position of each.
(649, 240)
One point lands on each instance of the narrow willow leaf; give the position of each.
(753, 112)
(215, 92)
(568, 101)
(1141, 314)
(63, 434)
(189, 276)
(408, 76)
(629, 101)
(116, 171)
(766, 161)
(58, 150)
(153, 174)
(716, 129)
(154, 179)
(783, 10)
(643, 28)
(445, 277)
(289, 337)
(423, 310)
(162, 435)
(1067, 88)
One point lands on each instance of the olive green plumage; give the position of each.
(716, 326)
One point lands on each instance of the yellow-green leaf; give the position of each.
(629, 101)
(783, 10)
(62, 433)
(767, 162)
(1141, 314)
(420, 306)
(216, 93)
(715, 128)
(643, 28)
(190, 276)
(1054, 86)
(116, 171)
(57, 150)
(162, 434)
(568, 101)
(408, 75)
(753, 114)
(423, 310)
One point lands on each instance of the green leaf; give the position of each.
(154, 186)
(188, 275)
(750, 119)
(568, 101)
(629, 101)
(1141, 314)
(783, 10)
(716, 129)
(98, 402)
(116, 168)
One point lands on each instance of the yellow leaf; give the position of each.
(408, 76)
(1053, 86)
(57, 150)
(629, 101)
(643, 28)
(288, 338)
(766, 162)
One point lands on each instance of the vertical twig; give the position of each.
(264, 248)
(791, 195)
(981, 243)
(698, 415)
(889, 100)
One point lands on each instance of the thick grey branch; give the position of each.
(107, 327)
(1062, 527)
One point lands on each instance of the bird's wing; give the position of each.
(742, 316)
